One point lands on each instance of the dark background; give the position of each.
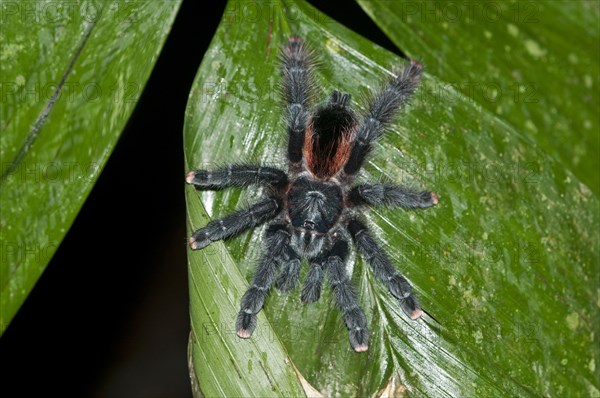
(123, 333)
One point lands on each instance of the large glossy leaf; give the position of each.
(72, 73)
(507, 263)
(535, 64)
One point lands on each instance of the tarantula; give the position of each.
(314, 207)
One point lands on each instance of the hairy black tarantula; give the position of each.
(314, 207)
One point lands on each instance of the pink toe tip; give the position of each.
(361, 348)
(243, 333)
(416, 63)
(416, 314)
(193, 244)
(189, 177)
(434, 198)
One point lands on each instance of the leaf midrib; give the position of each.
(40, 121)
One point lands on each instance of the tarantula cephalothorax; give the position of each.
(313, 207)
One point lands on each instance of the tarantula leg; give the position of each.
(392, 195)
(382, 108)
(254, 298)
(297, 84)
(311, 291)
(384, 270)
(234, 223)
(345, 298)
(411, 307)
(236, 175)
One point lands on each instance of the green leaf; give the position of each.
(507, 262)
(71, 76)
(534, 64)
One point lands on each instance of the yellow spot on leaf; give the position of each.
(573, 320)
(534, 48)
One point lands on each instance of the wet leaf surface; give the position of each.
(507, 263)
